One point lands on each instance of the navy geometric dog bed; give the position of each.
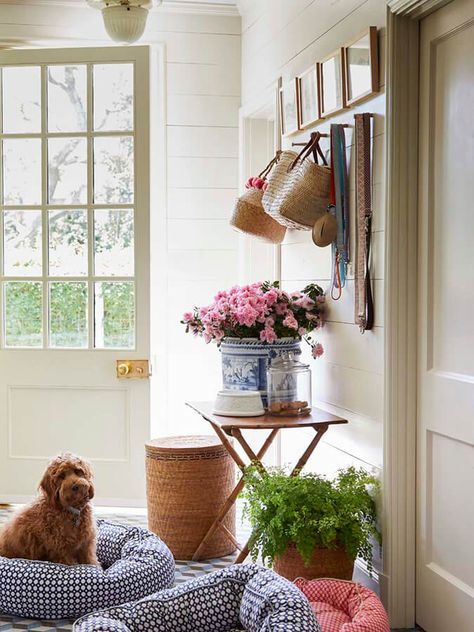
(135, 563)
(240, 596)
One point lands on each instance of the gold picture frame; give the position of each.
(361, 66)
(332, 83)
(288, 104)
(308, 97)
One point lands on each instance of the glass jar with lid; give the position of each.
(289, 386)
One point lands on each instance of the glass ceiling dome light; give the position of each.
(124, 20)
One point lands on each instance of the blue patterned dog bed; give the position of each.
(243, 596)
(135, 563)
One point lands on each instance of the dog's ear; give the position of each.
(47, 484)
(91, 490)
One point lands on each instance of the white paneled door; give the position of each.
(74, 265)
(445, 551)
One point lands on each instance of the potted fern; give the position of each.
(309, 526)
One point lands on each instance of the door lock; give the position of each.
(128, 369)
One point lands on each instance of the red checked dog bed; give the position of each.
(342, 606)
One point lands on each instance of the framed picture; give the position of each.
(288, 108)
(307, 85)
(361, 66)
(332, 83)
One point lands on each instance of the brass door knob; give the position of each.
(132, 369)
(123, 369)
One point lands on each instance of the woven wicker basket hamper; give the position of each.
(188, 481)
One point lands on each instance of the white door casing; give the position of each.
(445, 507)
(53, 397)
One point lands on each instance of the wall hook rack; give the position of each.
(322, 136)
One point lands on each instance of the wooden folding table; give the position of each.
(225, 427)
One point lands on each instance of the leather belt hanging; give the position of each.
(364, 308)
(339, 199)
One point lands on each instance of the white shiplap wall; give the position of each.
(282, 38)
(197, 248)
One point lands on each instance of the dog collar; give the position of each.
(76, 513)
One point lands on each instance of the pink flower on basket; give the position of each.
(317, 350)
(290, 320)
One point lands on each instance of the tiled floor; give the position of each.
(185, 570)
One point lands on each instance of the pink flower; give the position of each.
(207, 337)
(281, 308)
(305, 302)
(187, 316)
(301, 331)
(290, 320)
(268, 335)
(317, 350)
(271, 297)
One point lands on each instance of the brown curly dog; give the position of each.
(58, 526)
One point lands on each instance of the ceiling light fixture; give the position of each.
(124, 20)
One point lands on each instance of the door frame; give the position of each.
(401, 263)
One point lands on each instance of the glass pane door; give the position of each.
(67, 206)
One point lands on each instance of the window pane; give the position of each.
(114, 315)
(21, 100)
(113, 243)
(67, 99)
(113, 170)
(22, 171)
(113, 97)
(67, 170)
(23, 314)
(68, 314)
(22, 243)
(67, 243)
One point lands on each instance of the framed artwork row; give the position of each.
(342, 79)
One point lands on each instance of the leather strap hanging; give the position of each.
(364, 308)
(312, 146)
(340, 200)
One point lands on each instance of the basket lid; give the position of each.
(184, 444)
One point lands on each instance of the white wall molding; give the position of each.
(400, 327)
(415, 8)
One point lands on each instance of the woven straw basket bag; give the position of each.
(298, 188)
(249, 215)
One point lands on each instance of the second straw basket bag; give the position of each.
(249, 216)
(298, 188)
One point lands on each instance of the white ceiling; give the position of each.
(228, 7)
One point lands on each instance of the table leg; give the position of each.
(217, 524)
(309, 450)
(254, 460)
(295, 472)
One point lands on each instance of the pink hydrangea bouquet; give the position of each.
(260, 310)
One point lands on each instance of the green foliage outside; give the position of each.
(311, 511)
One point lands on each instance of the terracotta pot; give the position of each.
(324, 563)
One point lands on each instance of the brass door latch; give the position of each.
(133, 369)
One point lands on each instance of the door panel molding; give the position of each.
(399, 474)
